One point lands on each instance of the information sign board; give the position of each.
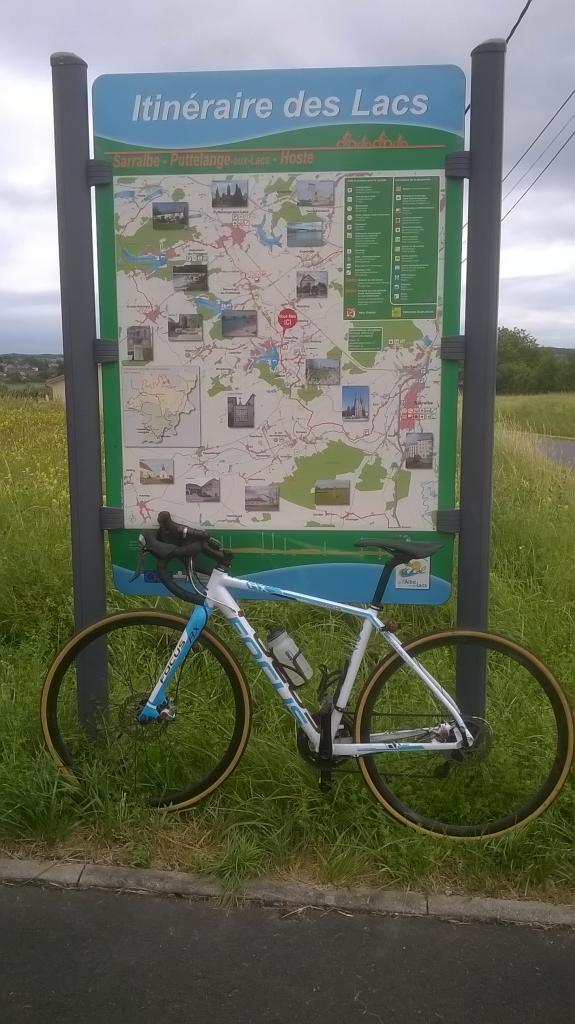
(279, 258)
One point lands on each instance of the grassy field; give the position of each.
(543, 414)
(270, 817)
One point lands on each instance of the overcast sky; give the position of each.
(538, 239)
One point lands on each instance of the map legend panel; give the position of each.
(368, 236)
(415, 250)
(391, 247)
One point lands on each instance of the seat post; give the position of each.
(384, 579)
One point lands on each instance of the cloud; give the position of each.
(126, 37)
(30, 321)
(538, 260)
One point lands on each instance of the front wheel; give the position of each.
(523, 744)
(174, 761)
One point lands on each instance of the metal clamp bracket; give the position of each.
(99, 172)
(111, 518)
(453, 347)
(105, 350)
(458, 165)
(448, 520)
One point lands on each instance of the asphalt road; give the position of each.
(558, 449)
(73, 957)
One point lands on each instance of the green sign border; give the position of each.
(254, 548)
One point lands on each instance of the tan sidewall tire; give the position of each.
(159, 618)
(412, 648)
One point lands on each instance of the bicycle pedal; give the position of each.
(325, 781)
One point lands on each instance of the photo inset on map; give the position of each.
(418, 450)
(210, 491)
(262, 497)
(191, 277)
(322, 371)
(332, 492)
(239, 323)
(355, 402)
(315, 193)
(169, 215)
(161, 406)
(233, 192)
(311, 284)
(187, 327)
(241, 414)
(156, 471)
(140, 345)
(304, 234)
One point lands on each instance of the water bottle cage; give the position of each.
(297, 668)
(284, 671)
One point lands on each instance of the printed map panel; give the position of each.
(161, 407)
(262, 384)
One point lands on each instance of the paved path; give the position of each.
(558, 449)
(98, 957)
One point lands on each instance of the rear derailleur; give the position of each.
(467, 756)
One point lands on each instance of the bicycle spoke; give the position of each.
(519, 751)
(162, 760)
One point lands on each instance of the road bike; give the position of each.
(176, 715)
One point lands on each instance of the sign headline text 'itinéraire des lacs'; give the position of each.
(301, 105)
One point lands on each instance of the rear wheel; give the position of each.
(515, 768)
(175, 761)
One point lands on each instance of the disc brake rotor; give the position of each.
(129, 723)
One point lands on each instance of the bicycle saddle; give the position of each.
(417, 549)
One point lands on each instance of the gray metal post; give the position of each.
(71, 133)
(484, 232)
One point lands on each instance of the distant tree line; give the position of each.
(16, 368)
(524, 367)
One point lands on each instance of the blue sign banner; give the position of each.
(208, 108)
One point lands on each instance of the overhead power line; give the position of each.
(537, 137)
(540, 175)
(534, 182)
(538, 158)
(519, 20)
(531, 144)
(512, 33)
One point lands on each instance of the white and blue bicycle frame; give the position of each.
(219, 598)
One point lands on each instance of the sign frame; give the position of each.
(76, 173)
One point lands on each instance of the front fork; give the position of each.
(157, 698)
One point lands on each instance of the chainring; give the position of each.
(345, 731)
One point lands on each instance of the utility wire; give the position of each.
(531, 144)
(519, 20)
(535, 180)
(541, 173)
(511, 34)
(537, 137)
(538, 158)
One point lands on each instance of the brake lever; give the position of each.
(140, 560)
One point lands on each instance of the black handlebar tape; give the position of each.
(175, 588)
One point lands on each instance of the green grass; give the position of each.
(270, 817)
(542, 414)
(24, 389)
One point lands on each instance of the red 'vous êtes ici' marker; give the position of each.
(287, 318)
